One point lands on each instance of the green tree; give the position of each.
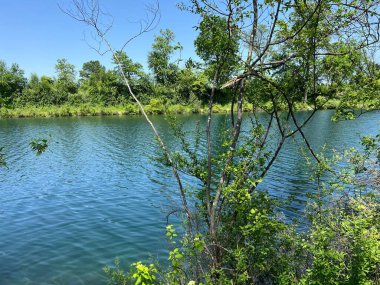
(191, 84)
(38, 91)
(134, 72)
(361, 89)
(159, 58)
(216, 44)
(92, 70)
(92, 78)
(274, 37)
(66, 84)
(102, 87)
(12, 82)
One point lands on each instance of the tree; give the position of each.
(38, 91)
(131, 69)
(159, 57)
(137, 78)
(66, 81)
(297, 36)
(361, 94)
(100, 86)
(12, 82)
(191, 84)
(65, 71)
(92, 70)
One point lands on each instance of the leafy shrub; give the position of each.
(341, 244)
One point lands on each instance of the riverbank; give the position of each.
(130, 109)
(99, 110)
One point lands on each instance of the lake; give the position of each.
(96, 193)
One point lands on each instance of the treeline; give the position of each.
(167, 82)
(172, 80)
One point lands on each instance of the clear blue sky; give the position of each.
(35, 33)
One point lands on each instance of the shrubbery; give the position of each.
(339, 243)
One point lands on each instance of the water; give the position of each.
(97, 194)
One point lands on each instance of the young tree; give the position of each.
(274, 37)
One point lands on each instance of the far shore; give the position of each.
(131, 109)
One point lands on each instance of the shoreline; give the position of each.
(87, 110)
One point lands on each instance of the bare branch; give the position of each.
(291, 112)
(148, 24)
(89, 12)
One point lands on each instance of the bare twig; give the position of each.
(89, 12)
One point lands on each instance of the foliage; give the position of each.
(140, 274)
(12, 82)
(38, 91)
(361, 93)
(272, 54)
(340, 244)
(39, 145)
(344, 243)
(159, 58)
(65, 85)
(92, 70)
(349, 83)
(215, 45)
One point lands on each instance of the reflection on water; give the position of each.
(96, 193)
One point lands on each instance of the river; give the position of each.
(96, 193)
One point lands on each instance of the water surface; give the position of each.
(97, 194)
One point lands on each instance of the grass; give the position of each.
(99, 110)
(62, 111)
(129, 109)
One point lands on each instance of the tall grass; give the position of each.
(154, 107)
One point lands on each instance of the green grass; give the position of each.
(99, 110)
(155, 107)
(65, 111)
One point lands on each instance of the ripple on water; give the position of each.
(97, 194)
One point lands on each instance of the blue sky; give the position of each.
(35, 33)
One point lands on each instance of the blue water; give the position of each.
(96, 193)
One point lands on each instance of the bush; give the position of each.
(341, 244)
(156, 106)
